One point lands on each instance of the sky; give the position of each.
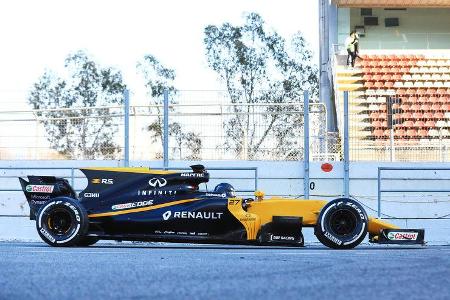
(39, 34)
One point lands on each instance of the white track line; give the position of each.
(70, 252)
(276, 253)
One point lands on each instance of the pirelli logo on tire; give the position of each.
(332, 238)
(47, 235)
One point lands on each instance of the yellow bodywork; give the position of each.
(141, 170)
(261, 212)
(251, 221)
(375, 225)
(267, 208)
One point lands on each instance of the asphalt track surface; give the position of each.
(179, 271)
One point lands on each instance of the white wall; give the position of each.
(275, 178)
(343, 24)
(419, 29)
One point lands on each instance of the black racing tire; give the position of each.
(62, 222)
(342, 224)
(87, 241)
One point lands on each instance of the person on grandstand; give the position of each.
(352, 46)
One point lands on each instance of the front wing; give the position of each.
(399, 236)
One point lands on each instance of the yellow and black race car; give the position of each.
(140, 204)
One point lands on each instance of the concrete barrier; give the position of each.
(410, 210)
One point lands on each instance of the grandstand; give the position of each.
(399, 91)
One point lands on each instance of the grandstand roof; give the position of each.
(392, 3)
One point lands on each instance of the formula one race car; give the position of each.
(140, 204)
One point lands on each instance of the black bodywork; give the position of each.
(156, 206)
(151, 205)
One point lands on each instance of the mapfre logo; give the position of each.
(102, 181)
(198, 175)
(157, 182)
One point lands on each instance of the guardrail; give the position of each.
(380, 191)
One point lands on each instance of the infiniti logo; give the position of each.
(157, 182)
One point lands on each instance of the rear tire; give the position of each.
(342, 224)
(62, 222)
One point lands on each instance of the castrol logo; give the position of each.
(402, 236)
(39, 188)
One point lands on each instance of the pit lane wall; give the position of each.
(429, 210)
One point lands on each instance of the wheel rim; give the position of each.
(343, 222)
(60, 221)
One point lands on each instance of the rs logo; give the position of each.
(157, 182)
(102, 180)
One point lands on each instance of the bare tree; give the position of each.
(81, 131)
(257, 66)
(159, 78)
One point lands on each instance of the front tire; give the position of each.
(62, 222)
(342, 224)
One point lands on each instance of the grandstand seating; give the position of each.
(423, 85)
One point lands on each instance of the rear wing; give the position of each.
(40, 189)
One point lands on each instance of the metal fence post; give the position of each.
(379, 193)
(306, 144)
(346, 148)
(444, 155)
(166, 130)
(126, 159)
(391, 138)
(72, 177)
